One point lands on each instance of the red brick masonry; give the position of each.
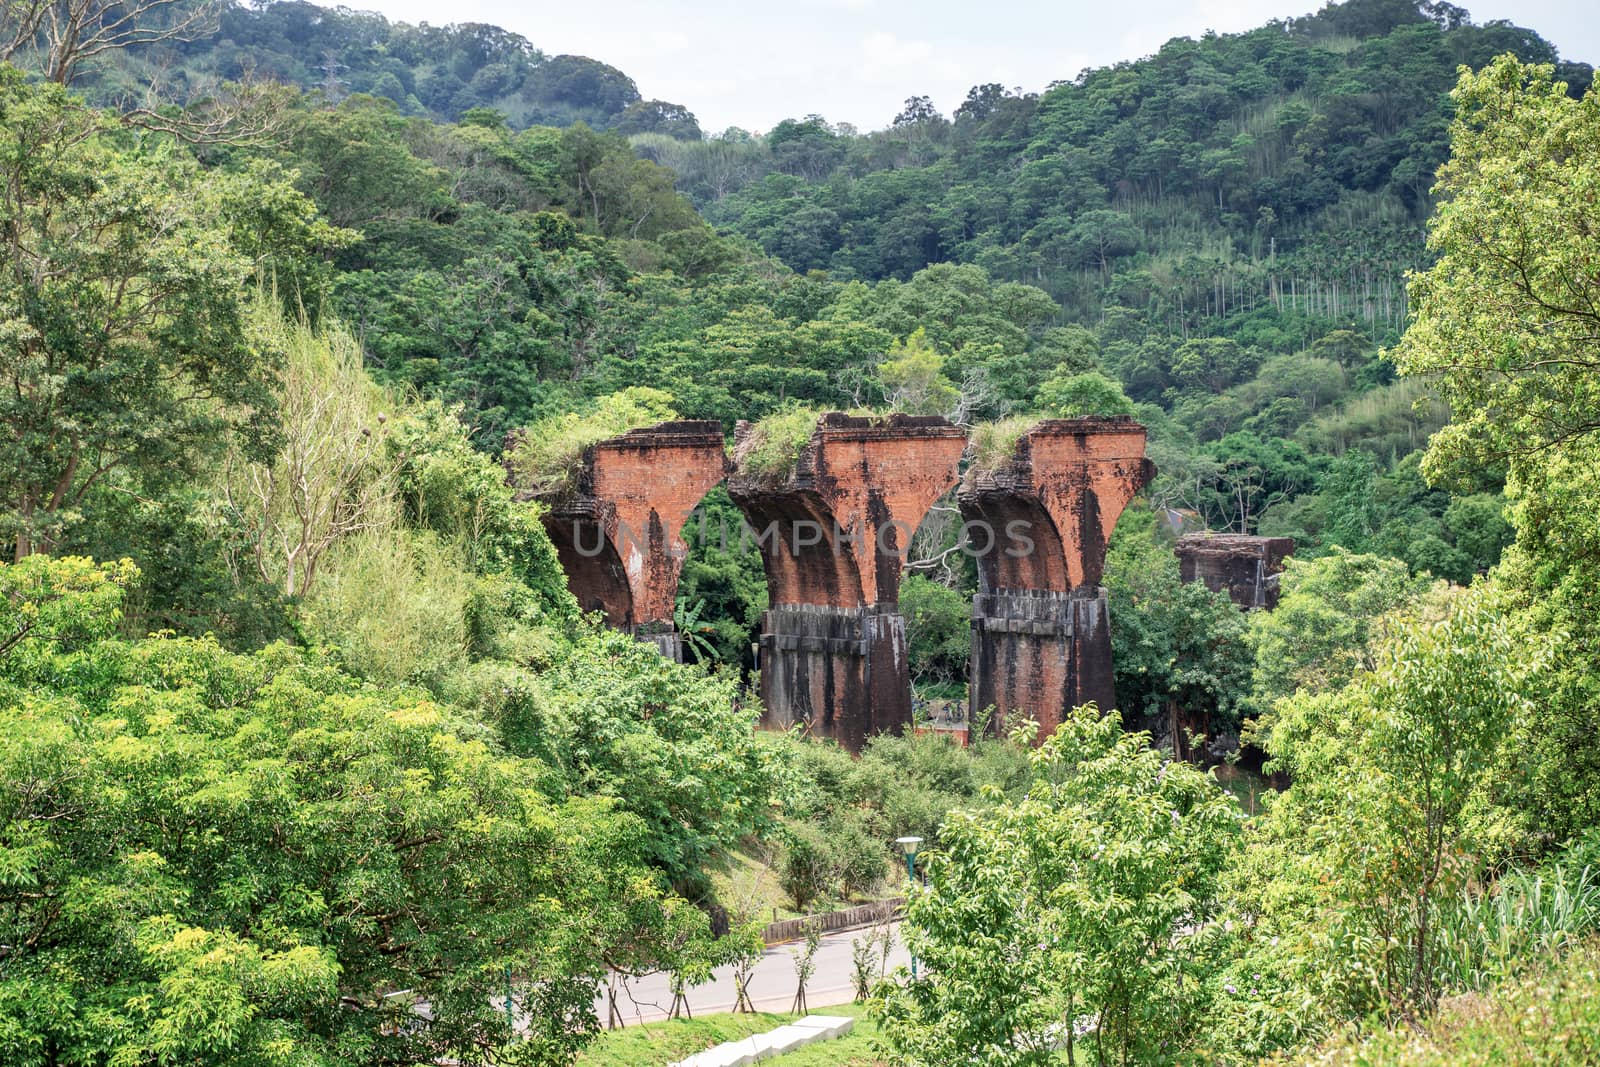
(833, 534)
(837, 528)
(619, 533)
(1041, 641)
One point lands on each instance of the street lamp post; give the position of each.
(909, 846)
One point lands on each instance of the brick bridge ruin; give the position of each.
(837, 529)
(618, 531)
(1041, 628)
(833, 533)
(1244, 567)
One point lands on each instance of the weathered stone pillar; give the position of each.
(1041, 631)
(1244, 567)
(833, 533)
(618, 528)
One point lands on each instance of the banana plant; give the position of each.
(691, 631)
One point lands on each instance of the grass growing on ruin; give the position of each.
(548, 454)
(994, 444)
(773, 446)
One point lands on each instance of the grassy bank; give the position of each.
(655, 1044)
(1549, 1017)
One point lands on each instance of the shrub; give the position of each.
(547, 456)
(807, 868)
(860, 859)
(1529, 916)
(773, 445)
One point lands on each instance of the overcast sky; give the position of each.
(752, 63)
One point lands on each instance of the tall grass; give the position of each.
(1529, 917)
(995, 443)
(392, 604)
(547, 455)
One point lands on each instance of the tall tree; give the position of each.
(1508, 328)
(59, 36)
(1083, 899)
(1508, 319)
(122, 352)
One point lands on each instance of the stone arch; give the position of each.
(833, 645)
(1041, 641)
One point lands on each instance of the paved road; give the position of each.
(771, 986)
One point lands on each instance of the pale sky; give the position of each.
(751, 63)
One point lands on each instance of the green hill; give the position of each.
(442, 72)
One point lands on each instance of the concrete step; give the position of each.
(786, 1038)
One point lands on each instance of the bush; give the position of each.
(547, 456)
(807, 869)
(772, 447)
(1070, 396)
(860, 858)
(1551, 1016)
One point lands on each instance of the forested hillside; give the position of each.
(441, 72)
(307, 754)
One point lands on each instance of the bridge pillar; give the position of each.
(1041, 631)
(618, 528)
(833, 533)
(1246, 568)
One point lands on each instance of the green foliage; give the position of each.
(938, 630)
(670, 743)
(1502, 316)
(1412, 747)
(547, 457)
(122, 345)
(912, 378)
(1564, 996)
(1529, 917)
(1504, 328)
(1178, 649)
(392, 604)
(332, 475)
(771, 447)
(807, 868)
(63, 602)
(1077, 900)
(210, 856)
(899, 786)
(468, 72)
(1332, 613)
(447, 487)
(1068, 396)
(216, 857)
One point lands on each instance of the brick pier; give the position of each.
(1041, 631)
(833, 534)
